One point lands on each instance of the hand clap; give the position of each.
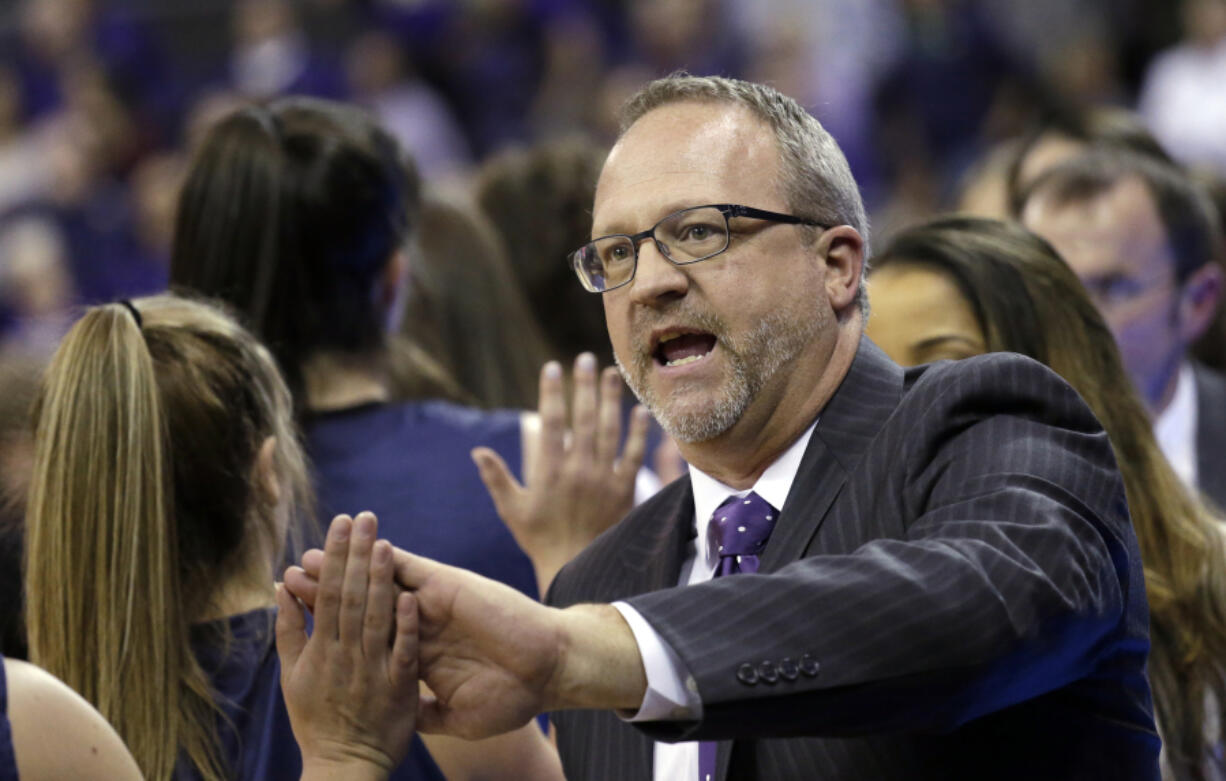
(351, 686)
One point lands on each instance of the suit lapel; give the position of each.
(846, 425)
(652, 558)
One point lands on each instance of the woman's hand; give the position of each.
(576, 483)
(351, 686)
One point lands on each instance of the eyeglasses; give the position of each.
(685, 236)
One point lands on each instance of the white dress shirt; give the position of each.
(672, 694)
(1175, 428)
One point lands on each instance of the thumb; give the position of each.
(301, 585)
(412, 571)
(503, 487)
(290, 628)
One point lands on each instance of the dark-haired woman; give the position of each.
(958, 287)
(299, 215)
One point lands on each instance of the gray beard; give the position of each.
(754, 359)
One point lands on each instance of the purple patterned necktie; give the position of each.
(738, 532)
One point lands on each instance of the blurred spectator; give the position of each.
(155, 182)
(19, 378)
(24, 173)
(35, 285)
(569, 98)
(273, 56)
(419, 118)
(934, 102)
(844, 48)
(1065, 132)
(466, 309)
(691, 35)
(1182, 96)
(1144, 241)
(540, 201)
(984, 190)
(92, 145)
(491, 61)
(59, 36)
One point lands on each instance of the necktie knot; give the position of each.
(738, 532)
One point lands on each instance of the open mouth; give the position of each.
(679, 349)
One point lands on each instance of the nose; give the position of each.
(656, 280)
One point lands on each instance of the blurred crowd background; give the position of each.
(100, 101)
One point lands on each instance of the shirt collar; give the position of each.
(773, 486)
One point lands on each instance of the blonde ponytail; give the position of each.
(103, 581)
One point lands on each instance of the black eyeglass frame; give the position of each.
(729, 210)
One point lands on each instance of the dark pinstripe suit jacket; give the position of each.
(952, 590)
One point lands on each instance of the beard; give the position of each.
(688, 412)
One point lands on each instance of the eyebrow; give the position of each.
(618, 228)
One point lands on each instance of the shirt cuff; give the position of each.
(672, 694)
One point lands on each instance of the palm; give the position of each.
(488, 652)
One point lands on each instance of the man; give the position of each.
(1143, 239)
(950, 587)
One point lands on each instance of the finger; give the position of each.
(552, 409)
(380, 602)
(583, 412)
(609, 435)
(302, 586)
(529, 445)
(402, 668)
(636, 442)
(313, 562)
(356, 581)
(504, 489)
(331, 578)
(412, 572)
(290, 628)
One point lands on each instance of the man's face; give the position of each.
(702, 344)
(1117, 245)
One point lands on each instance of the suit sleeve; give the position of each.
(1013, 572)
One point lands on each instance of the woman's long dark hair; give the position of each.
(291, 213)
(1028, 300)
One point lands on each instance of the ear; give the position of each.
(1198, 301)
(843, 248)
(265, 471)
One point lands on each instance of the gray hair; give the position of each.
(816, 180)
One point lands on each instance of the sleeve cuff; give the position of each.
(672, 694)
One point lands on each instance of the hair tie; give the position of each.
(140, 323)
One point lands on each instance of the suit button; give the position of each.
(768, 673)
(788, 669)
(809, 666)
(746, 674)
